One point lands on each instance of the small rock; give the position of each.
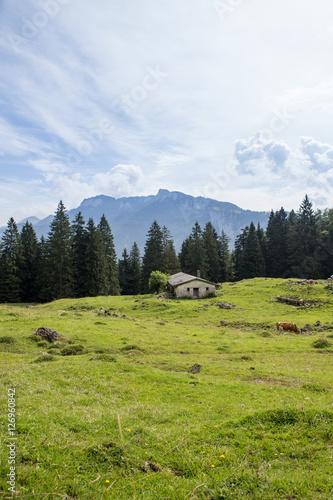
(224, 305)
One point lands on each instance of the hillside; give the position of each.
(131, 217)
(212, 403)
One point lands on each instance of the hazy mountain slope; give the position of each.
(131, 217)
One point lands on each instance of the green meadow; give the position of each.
(125, 412)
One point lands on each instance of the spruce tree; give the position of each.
(252, 262)
(196, 256)
(111, 256)
(182, 256)
(79, 254)
(96, 265)
(125, 274)
(59, 257)
(303, 242)
(277, 244)
(41, 270)
(28, 266)
(153, 258)
(212, 248)
(171, 262)
(136, 269)
(237, 255)
(226, 266)
(10, 258)
(324, 253)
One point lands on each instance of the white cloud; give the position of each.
(321, 155)
(119, 181)
(257, 152)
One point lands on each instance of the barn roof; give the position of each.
(181, 278)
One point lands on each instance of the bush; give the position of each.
(321, 343)
(7, 340)
(72, 350)
(157, 281)
(43, 359)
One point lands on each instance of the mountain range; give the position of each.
(131, 217)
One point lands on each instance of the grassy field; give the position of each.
(119, 413)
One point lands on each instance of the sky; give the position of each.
(226, 99)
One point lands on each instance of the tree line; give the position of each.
(78, 259)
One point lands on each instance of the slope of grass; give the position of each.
(254, 422)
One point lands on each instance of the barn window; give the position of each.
(188, 289)
(207, 289)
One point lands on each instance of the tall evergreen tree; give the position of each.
(182, 256)
(212, 248)
(226, 265)
(136, 269)
(59, 257)
(79, 254)
(196, 256)
(28, 266)
(125, 274)
(171, 262)
(10, 258)
(252, 261)
(303, 241)
(237, 255)
(153, 258)
(96, 265)
(277, 244)
(111, 256)
(324, 252)
(41, 270)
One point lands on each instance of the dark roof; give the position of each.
(180, 278)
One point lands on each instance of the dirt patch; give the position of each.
(195, 368)
(276, 382)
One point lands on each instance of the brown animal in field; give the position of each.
(291, 327)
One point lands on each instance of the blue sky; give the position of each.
(228, 99)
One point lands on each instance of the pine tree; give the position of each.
(171, 262)
(182, 256)
(303, 242)
(212, 249)
(252, 262)
(136, 269)
(153, 258)
(59, 258)
(196, 257)
(28, 266)
(111, 256)
(79, 254)
(41, 270)
(96, 265)
(237, 255)
(263, 247)
(277, 248)
(226, 266)
(324, 253)
(10, 258)
(125, 274)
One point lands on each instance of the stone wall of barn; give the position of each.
(194, 289)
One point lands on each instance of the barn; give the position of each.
(193, 287)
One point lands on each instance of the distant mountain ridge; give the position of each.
(131, 217)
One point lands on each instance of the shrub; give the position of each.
(72, 350)
(7, 340)
(321, 343)
(43, 359)
(157, 281)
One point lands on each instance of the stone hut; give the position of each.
(193, 287)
